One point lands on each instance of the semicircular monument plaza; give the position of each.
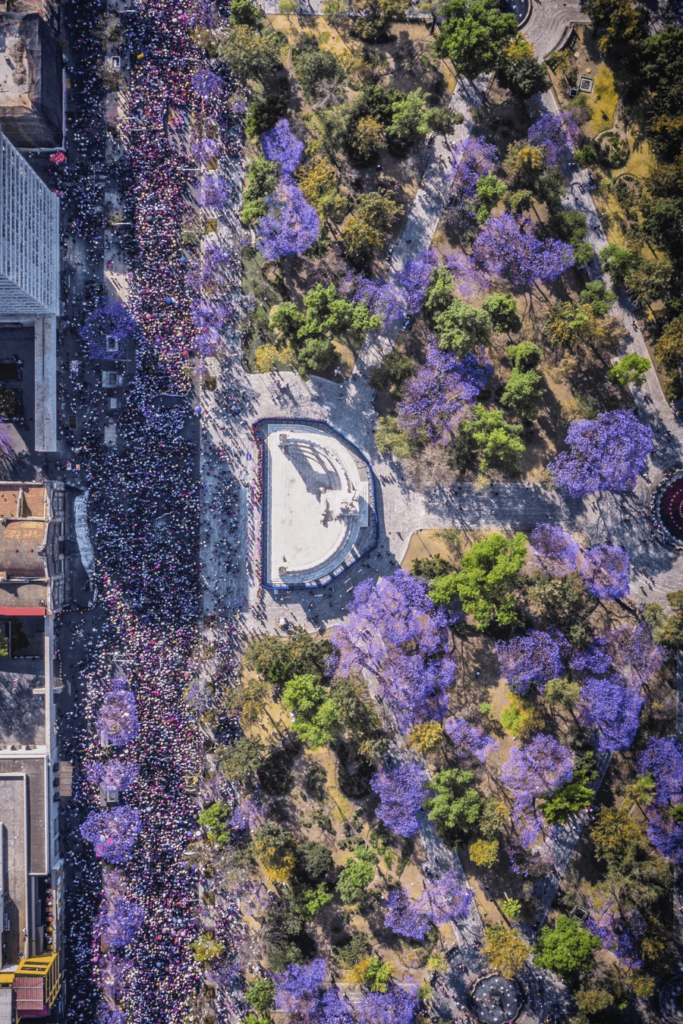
(318, 500)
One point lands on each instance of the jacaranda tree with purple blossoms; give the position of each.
(612, 708)
(605, 570)
(404, 917)
(117, 722)
(446, 899)
(113, 833)
(213, 192)
(471, 160)
(401, 792)
(281, 145)
(554, 550)
(394, 630)
(634, 653)
(299, 986)
(469, 740)
(508, 247)
(120, 917)
(113, 775)
(438, 396)
(415, 278)
(291, 224)
(537, 770)
(112, 321)
(662, 759)
(530, 660)
(554, 134)
(606, 454)
(395, 1006)
(385, 299)
(206, 84)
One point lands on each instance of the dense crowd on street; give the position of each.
(143, 511)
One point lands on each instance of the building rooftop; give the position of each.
(22, 709)
(30, 80)
(33, 769)
(19, 500)
(13, 833)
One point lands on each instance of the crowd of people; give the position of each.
(144, 514)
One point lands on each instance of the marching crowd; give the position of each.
(143, 510)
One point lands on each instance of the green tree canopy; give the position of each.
(456, 807)
(486, 438)
(597, 295)
(618, 261)
(250, 54)
(502, 309)
(474, 34)
(487, 580)
(214, 819)
(524, 393)
(314, 861)
(409, 119)
(354, 880)
(630, 369)
(279, 659)
(525, 356)
(462, 328)
(567, 948)
(243, 758)
(505, 950)
(317, 715)
(260, 994)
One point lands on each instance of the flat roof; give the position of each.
(34, 770)
(23, 598)
(13, 821)
(20, 543)
(35, 500)
(22, 710)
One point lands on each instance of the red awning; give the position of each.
(19, 611)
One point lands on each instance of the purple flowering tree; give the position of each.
(404, 916)
(666, 835)
(634, 653)
(537, 770)
(205, 150)
(333, 1008)
(298, 986)
(617, 928)
(206, 84)
(613, 709)
(663, 759)
(440, 393)
(469, 739)
(113, 775)
(113, 833)
(213, 192)
(527, 823)
(121, 917)
(417, 690)
(396, 1006)
(605, 570)
(117, 722)
(554, 134)
(593, 660)
(215, 271)
(291, 225)
(554, 550)
(415, 278)
(606, 454)
(247, 815)
(383, 298)
(394, 611)
(471, 160)
(282, 145)
(446, 899)
(508, 247)
(112, 321)
(400, 791)
(469, 278)
(387, 619)
(530, 660)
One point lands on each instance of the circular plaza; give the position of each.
(497, 1000)
(669, 506)
(318, 504)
